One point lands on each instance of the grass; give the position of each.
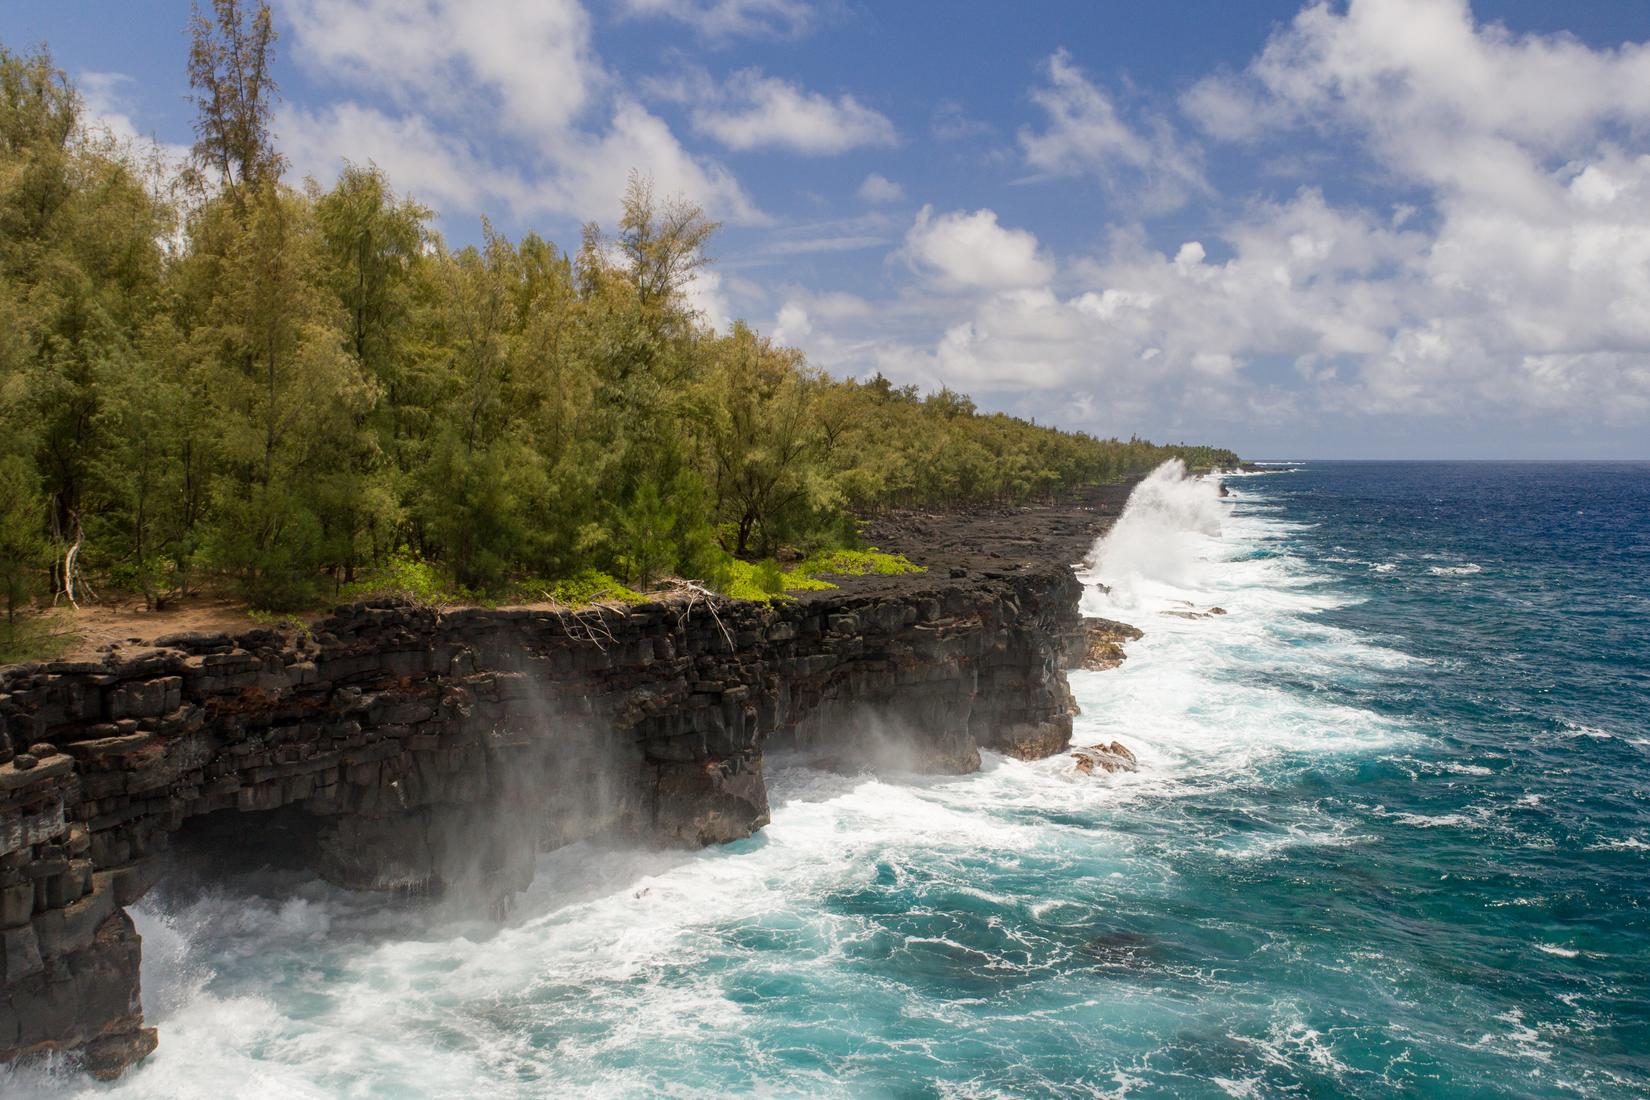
(404, 576)
(280, 620)
(761, 581)
(586, 587)
(858, 563)
(766, 581)
(41, 637)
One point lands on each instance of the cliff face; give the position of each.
(398, 748)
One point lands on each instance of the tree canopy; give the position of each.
(238, 383)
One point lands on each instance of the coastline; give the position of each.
(381, 746)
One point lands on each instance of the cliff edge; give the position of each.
(402, 748)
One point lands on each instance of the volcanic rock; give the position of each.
(422, 751)
(1103, 643)
(1114, 757)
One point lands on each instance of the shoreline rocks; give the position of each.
(1103, 643)
(1113, 757)
(1191, 612)
(399, 748)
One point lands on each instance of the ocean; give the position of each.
(1390, 836)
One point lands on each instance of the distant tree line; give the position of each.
(210, 377)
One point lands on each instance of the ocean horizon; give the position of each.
(715, 548)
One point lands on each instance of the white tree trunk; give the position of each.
(68, 566)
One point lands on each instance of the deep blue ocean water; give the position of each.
(1390, 836)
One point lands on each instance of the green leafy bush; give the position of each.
(761, 581)
(765, 581)
(857, 563)
(277, 619)
(405, 576)
(584, 588)
(798, 581)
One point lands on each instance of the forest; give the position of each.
(212, 379)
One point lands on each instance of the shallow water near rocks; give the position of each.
(1390, 835)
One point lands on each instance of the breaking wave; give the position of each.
(1338, 871)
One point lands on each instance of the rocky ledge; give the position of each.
(408, 749)
(1103, 643)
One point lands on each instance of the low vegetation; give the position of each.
(588, 586)
(36, 638)
(857, 563)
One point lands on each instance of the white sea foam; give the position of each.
(613, 976)
(1520, 1040)
(1291, 1042)
(1620, 844)
(432, 1011)
(1455, 570)
(1158, 543)
(1454, 768)
(1194, 695)
(1433, 821)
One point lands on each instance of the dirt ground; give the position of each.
(96, 625)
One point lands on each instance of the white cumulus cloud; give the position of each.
(880, 189)
(1489, 262)
(974, 251)
(561, 137)
(1529, 292)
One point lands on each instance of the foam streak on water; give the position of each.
(1357, 861)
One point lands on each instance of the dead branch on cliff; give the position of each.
(587, 622)
(697, 593)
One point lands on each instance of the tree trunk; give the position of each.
(68, 566)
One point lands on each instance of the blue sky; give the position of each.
(1384, 228)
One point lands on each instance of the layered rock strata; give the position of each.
(401, 748)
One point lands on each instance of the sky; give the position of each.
(1383, 228)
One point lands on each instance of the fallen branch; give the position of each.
(586, 620)
(696, 592)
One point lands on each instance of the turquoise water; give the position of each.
(1390, 836)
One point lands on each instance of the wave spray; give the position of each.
(1161, 537)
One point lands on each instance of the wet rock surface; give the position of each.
(400, 748)
(1103, 643)
(1191, 612)
(1113, 757)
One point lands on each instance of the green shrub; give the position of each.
(760, 581)
(798, 581)
(586, 587)
(857, 563)
(278, 620)
(406, 576)
(765, 581)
